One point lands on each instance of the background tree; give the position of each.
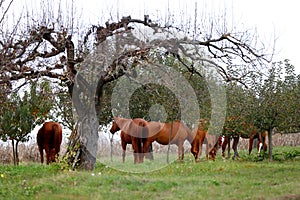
(21, 114)
(277, 101)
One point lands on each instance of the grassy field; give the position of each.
(246, 178)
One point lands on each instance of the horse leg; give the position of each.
(234, 146)
(224, 144)
(135, 159)
(135, 150)
(180, 151)
(206, 150)
(52, 155)
(265, 146)
(48, 152)
(150, 152)
(259, 144)
(195, 149)
(250, 145)
(41, 154)
(199, 153)
(140, 151)
(228, 146)
(200, 145)
(124, 144)
(147, 145)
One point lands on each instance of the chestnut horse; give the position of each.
(133, 131)
(200, 131)
(169, 133)
(49, 137)
(253, 135)
(201, 137)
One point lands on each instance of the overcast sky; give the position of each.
(272, 19)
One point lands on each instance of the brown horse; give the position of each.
(133, 131)
(212, 152)
(169, 133)
(49, 137)
(200, 134)
(201, 137)
(253, 135)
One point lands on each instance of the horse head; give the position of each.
(114, 128)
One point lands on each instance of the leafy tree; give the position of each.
(278, 101)
(62, 108)
(21, 114)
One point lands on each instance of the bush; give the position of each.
(286, 153)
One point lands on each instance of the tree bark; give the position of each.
(16, 151)
(88, 134)
(13, 149)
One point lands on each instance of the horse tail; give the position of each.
(145, 130)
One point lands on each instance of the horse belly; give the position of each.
(126, 138)
(166, 140)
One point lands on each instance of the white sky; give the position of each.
(272, 19)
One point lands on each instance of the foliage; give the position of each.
(62, 110)
(158, 96)
(241, 106)
(278, 96)
(286, 153)
(21, 114)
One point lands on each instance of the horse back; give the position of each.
(139, 128)
(165, 133)
(50, 134)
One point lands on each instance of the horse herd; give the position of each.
(141, 134)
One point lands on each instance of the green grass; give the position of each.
(245, 178)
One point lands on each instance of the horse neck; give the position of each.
(123, 123)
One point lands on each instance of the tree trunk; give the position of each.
(270, 144)
(88, 134)
(83, 143)
(16, 152)
(13, 149)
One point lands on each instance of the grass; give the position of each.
(241, 179)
